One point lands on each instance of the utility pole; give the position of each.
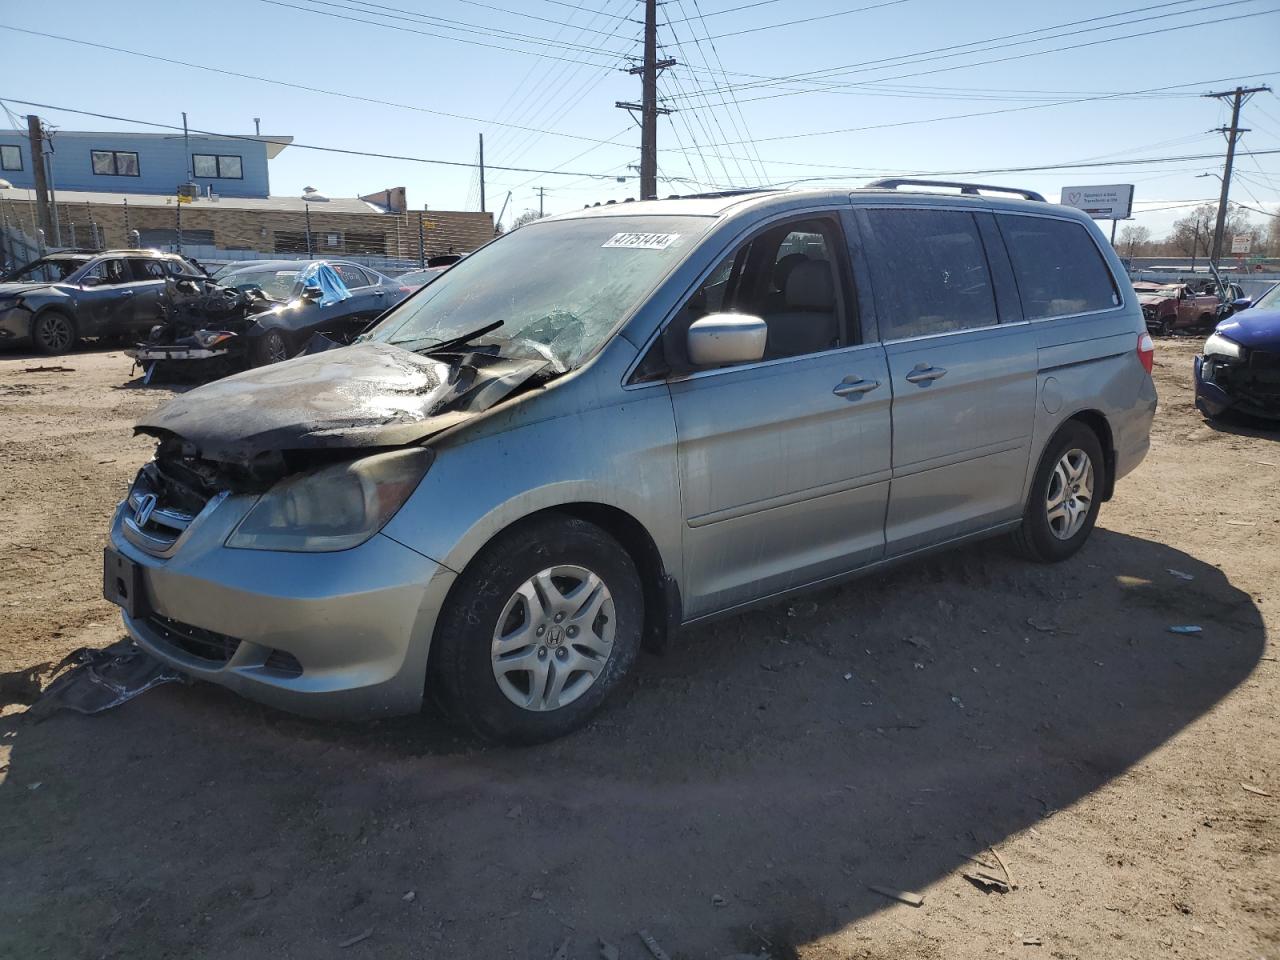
(35, 133)
(1233, 133)
(422, 243)
(186, 146)
(648, 105)
(497, 224)
(482, 173)
(542, 192)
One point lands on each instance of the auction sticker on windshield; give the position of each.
(642, 241)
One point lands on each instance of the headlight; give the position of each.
(333, 508)
(1218, 345)
(209, 338)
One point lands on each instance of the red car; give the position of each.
(1175, 306)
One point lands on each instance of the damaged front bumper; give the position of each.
(340, 634)
(1248, 385)
(149, 354)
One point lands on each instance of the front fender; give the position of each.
(620, 455)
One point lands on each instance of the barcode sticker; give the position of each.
(642, 241)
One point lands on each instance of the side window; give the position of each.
(351, 275)
(789, 276)
(1058, 267)
(931, 273)
(147, 269)
(110, 272)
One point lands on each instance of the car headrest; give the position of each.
(782, 269)
(809, 286)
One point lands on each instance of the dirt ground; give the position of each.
(739, 797)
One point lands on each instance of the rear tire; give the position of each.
(537, 631)
(54, 332)
(1165, 329)
(1065, 496)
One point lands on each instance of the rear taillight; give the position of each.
(1146, 352)
(404, 289)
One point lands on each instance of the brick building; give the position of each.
(346, 226)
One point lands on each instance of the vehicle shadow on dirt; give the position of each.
(1240, 425)
(779, 762)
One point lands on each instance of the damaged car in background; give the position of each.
(609, 424)
(1239, 367)
(266, 312)
(57, 301)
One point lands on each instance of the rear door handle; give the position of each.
(925, 374)
(854, 387)
(127, 293)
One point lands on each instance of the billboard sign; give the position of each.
(1102, 203)
(1241, 244)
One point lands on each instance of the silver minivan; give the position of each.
(611, 423)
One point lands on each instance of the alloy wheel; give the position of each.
(276, 351)
(1070, 494)
(553, 638)
(54, 332)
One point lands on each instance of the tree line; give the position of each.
(1192, 235)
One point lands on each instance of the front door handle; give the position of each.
(854, 387)
(126, 294)
(925, 374)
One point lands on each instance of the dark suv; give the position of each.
(62, 297)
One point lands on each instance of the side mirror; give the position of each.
(724, 338)
(312, 293)
(91, 282)
(1243, 303)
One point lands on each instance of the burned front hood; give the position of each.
(366, 395)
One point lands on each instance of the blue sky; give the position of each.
(482, 65)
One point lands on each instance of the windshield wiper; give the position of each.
(444, 346)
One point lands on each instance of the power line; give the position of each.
(561, 75)
(445, 23)
(303, 146)
(744, 6)
(813, 19)
(713, 116)
(405, 29)
(299, 86)
(955, 116)
(737, 120)
(486, 6)
(992, 43)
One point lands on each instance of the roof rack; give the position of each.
(970, 189)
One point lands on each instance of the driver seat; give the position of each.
(807, 322)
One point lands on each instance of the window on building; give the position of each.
(1059, 269)
(931, 273)
(217, 167)
(115, 163)
(10, 157)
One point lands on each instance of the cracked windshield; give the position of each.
(556, 289)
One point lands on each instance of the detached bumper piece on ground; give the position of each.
(98, 680)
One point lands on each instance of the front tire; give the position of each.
(537, 631)
(1065, 496)
(270, 348)
(54, 332)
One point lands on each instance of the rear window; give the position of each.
(1059, 269)
(931, 273)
